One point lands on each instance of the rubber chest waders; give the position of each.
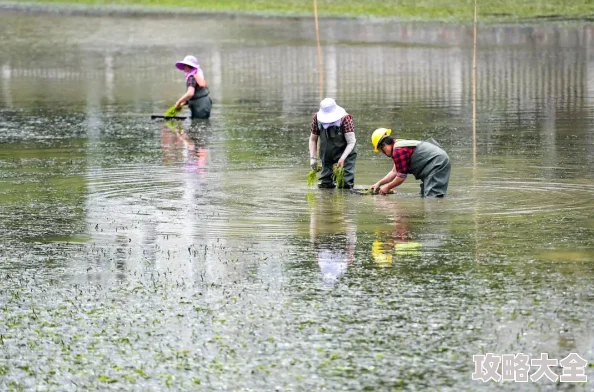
(430, 164)
(332, 145)
(200, 103)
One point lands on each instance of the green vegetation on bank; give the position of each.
(406, 9)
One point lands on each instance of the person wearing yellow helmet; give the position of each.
(335, 129)
(426, 160)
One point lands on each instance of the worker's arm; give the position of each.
(184, 98)
(401, 157)
(313, 150)
(348, 126)
(387, 178)
(392, 184)
(351, 140)
(313, 142)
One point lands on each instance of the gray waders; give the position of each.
(200, 104)
(332, 145)
(431, 164)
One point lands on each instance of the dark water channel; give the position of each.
(134, 257)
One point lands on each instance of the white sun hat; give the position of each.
(330, 112)
(188, 60)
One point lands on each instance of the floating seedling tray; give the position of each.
(155, 116)
(170, 114)
(364, 192)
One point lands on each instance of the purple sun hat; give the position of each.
(189, 61)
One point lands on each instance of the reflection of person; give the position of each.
(397, 241)
(333, 264)
(336, 131)
(399, 244)
(382, 254)
(417, 230)
(334, 240)
(390, 241)
(194, 152)
(196, 156)
(197, 91)
(426, 160)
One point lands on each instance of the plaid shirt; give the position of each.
(401, 157)
(347, 124)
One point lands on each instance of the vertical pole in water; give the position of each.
(474, 179)
(320, 68)
(474, 91)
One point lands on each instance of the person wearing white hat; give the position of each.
(197, 92)
(335, 130)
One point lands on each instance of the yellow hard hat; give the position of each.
(377, 137)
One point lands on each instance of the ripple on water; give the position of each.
(155, 182)
(514, 198)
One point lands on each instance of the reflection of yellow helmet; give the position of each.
(408, 248)
(377, 136)
(381, 257)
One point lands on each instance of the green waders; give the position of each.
(332, 145)
(200, 104)
(431, 164)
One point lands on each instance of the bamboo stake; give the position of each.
(474, 174)
(320, 67)
(474, 90)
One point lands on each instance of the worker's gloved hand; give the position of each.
(313, 162)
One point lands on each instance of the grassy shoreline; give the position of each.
(427, 10)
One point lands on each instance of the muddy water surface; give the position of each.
(138, 257)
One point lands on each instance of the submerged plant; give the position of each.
(173, 126)
(312, 177)
(338, 174)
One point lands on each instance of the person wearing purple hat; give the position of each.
(197, 91)
(335, 129)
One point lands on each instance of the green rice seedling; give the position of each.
(370, 192)
(338, 173)
(172, 111)
(312, 177)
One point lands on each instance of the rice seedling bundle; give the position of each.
(312, 177)
(338, 173)
(172, 111)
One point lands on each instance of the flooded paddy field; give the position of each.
(135, 257)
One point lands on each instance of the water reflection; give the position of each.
(186, 146)
(332, 234)
(416, 229)
(387, 244)
(394, 244)
(214, 217)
